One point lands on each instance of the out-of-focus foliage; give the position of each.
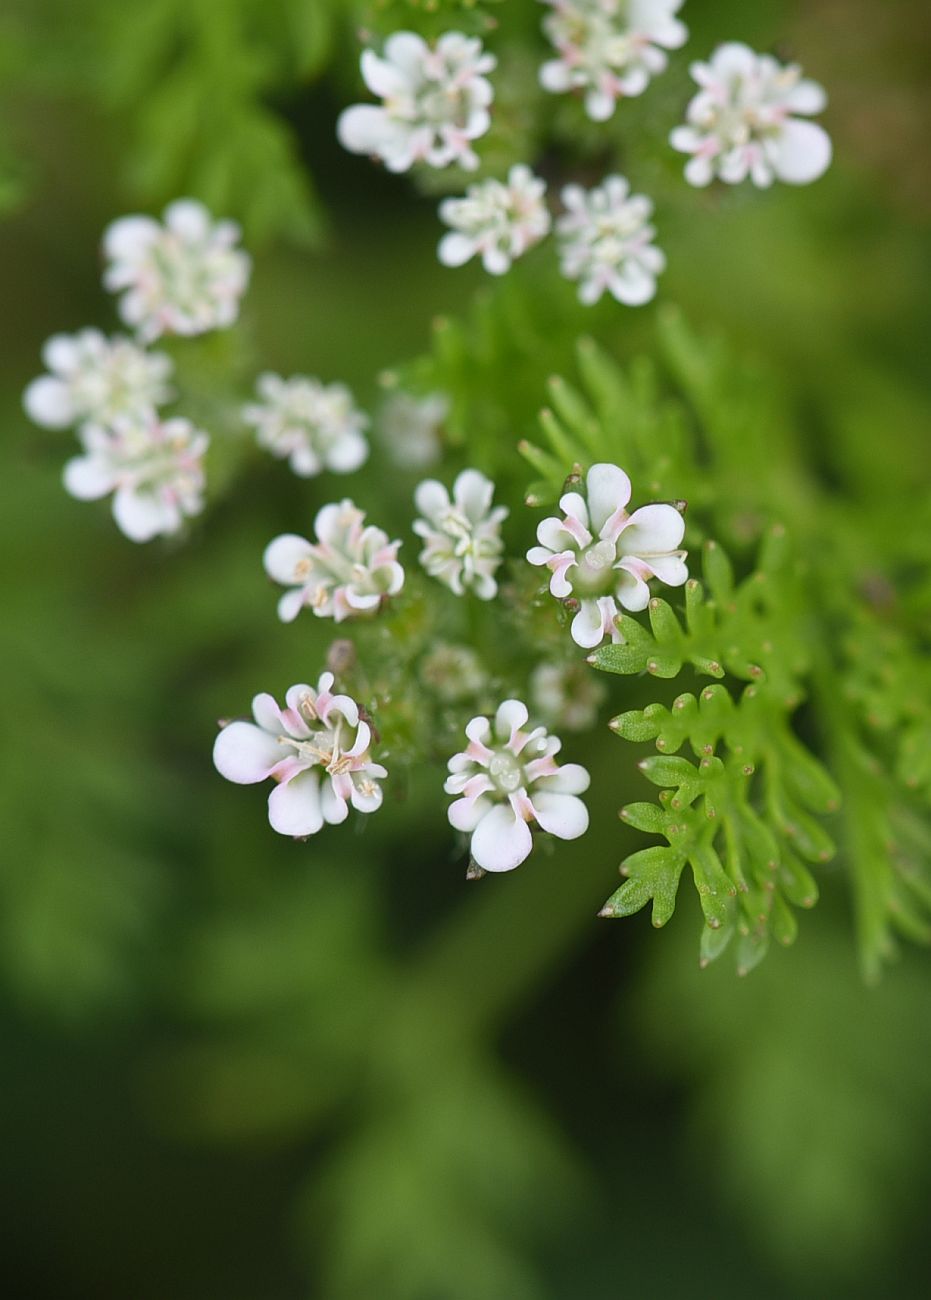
(244, 1067)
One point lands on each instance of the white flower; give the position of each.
(606, 243)
(453, 672)
(605, 555)
(346, 572)
(317, 749)
(96, 380)
(316, 426)
(183, 277)
(411, 428)
(506, 778)
(496, 219)
(462, 536)
(741, 123)
(567, 695)
(609, 48)
(435, 102)
(154, 468)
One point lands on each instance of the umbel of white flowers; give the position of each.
(497, 221)
(605, 556)
(506, 778)
(317, 750)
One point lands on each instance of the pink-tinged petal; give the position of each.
(588, 627)
(538, 768)
(510, 717)
(553, 534)
(142, 516)
(335, 809)
(560, 586)
(88, 478)
(244, 753)
(285, 558)
(652, 530)
(570, 778)
(501, 841)
(670, 569)
(291, 604)
(455, 249)
(266, 712)
(47, 402)
(465, 814)
(574, 507)
(362, 741)
(804, 152)
(561, 814)
(295, 808)
(608, 489)
(632, 592)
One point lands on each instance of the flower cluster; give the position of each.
(506, 778)
(314, 426)
(495, 220)
(348, 571)
(153, 467)
(609, 48)
(182, 277)
(462, 535)
(567, 695)
(602, 556)
(318, 751)
(96, 380)
(435, 102)
(606, 242)
(411, 428)
(741, 123)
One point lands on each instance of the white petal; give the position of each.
(47, 401)
(608, 489)
(501, 841)
(407, 51)
(142, 516)
(335, 809)
(465, 814)
(804, 152)
(632, 592)
(244, 753)
(266, 713)
(511, 716)
(282, 556)
(807, 97)
(633, 285)
(571, 778)
(294, 806)
(561, 814)
(125, 239)
(473, 492)
(63, 353)
(653, 530)
(555, 77)
(733, 60)
(381, 77)
(291, 604)
(670, 569)
(367, 803)
(455, 249)
(588, 626)
(363, 128)
(552, 535)
(88, 478)
(347, 453)
(189, 219)
(431, 499)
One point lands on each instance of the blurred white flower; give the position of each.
(411, 428)
(462, 536)
(741, 123)
(604, 555)
(498, 220)
(609, 48)
(316, 426)
(606, 242)
(96, 380)
(507, 777)
(436, 102)
(567, 695)
(317, 750)
(154, 468)
(454, 672)
(348, 571)
(182, 277)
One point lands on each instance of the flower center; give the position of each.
(506, 772)
(594, 572)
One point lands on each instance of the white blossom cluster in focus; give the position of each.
(461, 533)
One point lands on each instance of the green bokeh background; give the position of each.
(235, 1067)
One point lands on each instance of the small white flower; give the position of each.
(567, 695)
(741, 123)
(605, 555)
(317, 749)
(96, 380)
(154, 468)
(183, 277)
(411, 428)
(606, 243)
(316, 426)
(609, 48)
(506, 778)
(348, 571)
(435, 102)
(453, 672)
(462, 536)
(498, 220)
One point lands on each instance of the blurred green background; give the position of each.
(236, 1067)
